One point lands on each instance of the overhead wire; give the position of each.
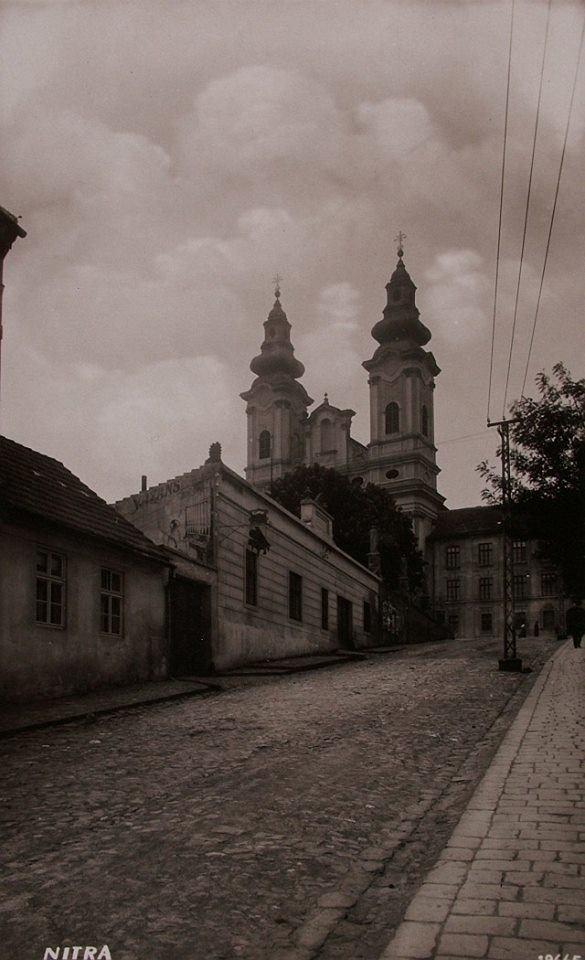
(554, 206)
(502, 177)
(527, 208)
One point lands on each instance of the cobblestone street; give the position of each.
(211, 828)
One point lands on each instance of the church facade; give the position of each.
(400, 456)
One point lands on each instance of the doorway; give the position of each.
(345, 624)
(190, 627)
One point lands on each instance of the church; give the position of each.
(401, 454)
(462, 547)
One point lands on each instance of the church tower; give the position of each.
(401, 449)
(276, 404)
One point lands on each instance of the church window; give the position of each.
(264, 445)
(392, 418)
(424, 418)
(326, 436)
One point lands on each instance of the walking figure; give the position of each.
(575, 621)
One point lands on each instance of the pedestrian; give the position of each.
(575, 621)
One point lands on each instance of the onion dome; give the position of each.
(277, 352)
(400, 317)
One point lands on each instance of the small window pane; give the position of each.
(42, 562)
(105, 579)
(116, 583)
(42, 590)
(56, 565)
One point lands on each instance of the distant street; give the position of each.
(208, 829)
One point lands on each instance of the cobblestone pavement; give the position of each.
(214, 828)
(510, 884)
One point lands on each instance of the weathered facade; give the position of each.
(82, 592)
(465, 555)
(278, 585)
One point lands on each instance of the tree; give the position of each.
(547, 453)
(355, 510)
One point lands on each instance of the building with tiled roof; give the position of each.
(82, 591)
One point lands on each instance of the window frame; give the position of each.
(485, 589)
(519, 551)
(520, 580)
(110, 595)
(453, 556)
(391, 418)
(548, 584)
(295, 596)
(51, 580)
(453, 586)
(262, 454)
(324, 608)
(424, 420)
(367, 616)
(485, 552)
(250, 577)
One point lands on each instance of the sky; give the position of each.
(168, 157)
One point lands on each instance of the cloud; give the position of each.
(457, 294)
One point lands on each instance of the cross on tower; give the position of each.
(399, 240)
(276, 281)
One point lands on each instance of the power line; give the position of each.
(554, 207)
(465, 436)
(536, 123)
(501, 208)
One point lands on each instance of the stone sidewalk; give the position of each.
(510, 884)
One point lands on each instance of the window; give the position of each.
(324, 609)
(486, 623)
(548, 619)
(484, 554)
(367, 617)
(520, 586)
(251, 577)
(519, 551)
(453, 589)
(295, 596)
(264, 445)
(485, 588)
(111, 602)
(326, 436)
(549, 584)
(50, 595)
(453, 624)
(452, 557)
(424, 421)
(392, 418)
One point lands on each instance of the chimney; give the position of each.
(144, 482)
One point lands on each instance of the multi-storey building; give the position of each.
(465, 556)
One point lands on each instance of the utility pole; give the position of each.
(510, 662)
